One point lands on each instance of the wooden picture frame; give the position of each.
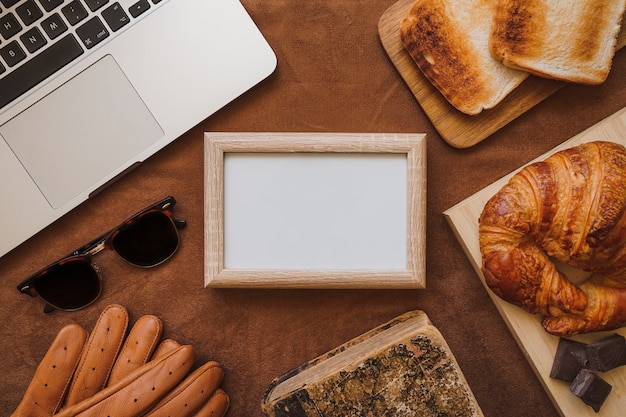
(410, 147)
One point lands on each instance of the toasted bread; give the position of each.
(569, 40)
(449, 42)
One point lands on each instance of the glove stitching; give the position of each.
(64, 391)
(93, 406)
(220, 393)
(155, 337)
(117, 351)
(59, 401)
(88, 348)
(181, 390)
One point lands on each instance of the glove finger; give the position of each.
(216, 407)
(139, 345)
(191, 394)
(99, 354)
(138, 391)
(52, 377)
(165, 346)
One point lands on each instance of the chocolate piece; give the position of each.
(607, 353)
(570, 358)
(590, 388)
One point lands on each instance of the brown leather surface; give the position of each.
(332, 76)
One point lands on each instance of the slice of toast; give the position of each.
(449, 42)
(568, 40)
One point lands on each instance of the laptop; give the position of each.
(91, 88)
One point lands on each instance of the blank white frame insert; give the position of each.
(315, 210)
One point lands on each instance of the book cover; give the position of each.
(402, 368)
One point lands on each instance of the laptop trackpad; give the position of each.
(82, 132)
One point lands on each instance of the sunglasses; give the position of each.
(146, 239)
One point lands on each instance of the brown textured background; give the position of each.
(333, 76)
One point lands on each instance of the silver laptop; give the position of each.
(91, 88)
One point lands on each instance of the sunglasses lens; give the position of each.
(147, 241)
(69, 285)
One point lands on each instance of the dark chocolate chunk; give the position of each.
(590, 388)
(607, 353)
(570, 358)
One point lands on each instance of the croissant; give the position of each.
(569, 207)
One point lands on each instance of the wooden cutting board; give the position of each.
(456, 128)
(538, 346)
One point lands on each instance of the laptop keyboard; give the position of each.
(39, 37)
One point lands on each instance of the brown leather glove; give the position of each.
(98, 376)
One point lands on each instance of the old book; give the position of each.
(402, 368)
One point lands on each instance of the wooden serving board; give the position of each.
(538, 346)
(456, 128)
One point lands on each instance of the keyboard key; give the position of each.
(12, 53)
(9, 3)
(92, 32)
(54, 26)
(28, 12)
(74, 12)
(95, 4)
(9, 25)
(115, 16)
(33, 40)
(138, 8)
(40, 67)
(50, 5)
